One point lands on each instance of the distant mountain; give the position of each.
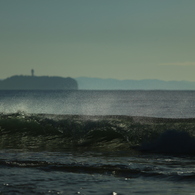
(38, 83)
(147, 84)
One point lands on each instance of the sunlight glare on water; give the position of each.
(165, 104)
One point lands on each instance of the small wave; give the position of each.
(56, 132)
(116, 170)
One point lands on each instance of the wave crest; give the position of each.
(56, 132)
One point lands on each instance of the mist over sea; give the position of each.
(97, 142)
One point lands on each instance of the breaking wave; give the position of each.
(58, 132)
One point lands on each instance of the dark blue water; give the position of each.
(51, 142)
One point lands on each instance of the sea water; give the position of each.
(177, 104)
(97, 142)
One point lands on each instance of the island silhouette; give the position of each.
(32, 82)
(38, 83)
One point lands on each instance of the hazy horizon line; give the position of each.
(101, 78)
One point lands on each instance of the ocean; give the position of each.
(97, 142)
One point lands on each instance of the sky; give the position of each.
(120, 39)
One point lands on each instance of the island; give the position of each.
(20, 82)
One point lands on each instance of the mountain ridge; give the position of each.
(89, 83)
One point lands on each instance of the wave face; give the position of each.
(58, 132)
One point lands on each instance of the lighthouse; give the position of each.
(32, 72)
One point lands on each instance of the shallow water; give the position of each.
(95, 173)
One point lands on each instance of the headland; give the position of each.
(38, 83)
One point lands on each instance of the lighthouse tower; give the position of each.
(32, 72)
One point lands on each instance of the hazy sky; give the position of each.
(122, 39)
